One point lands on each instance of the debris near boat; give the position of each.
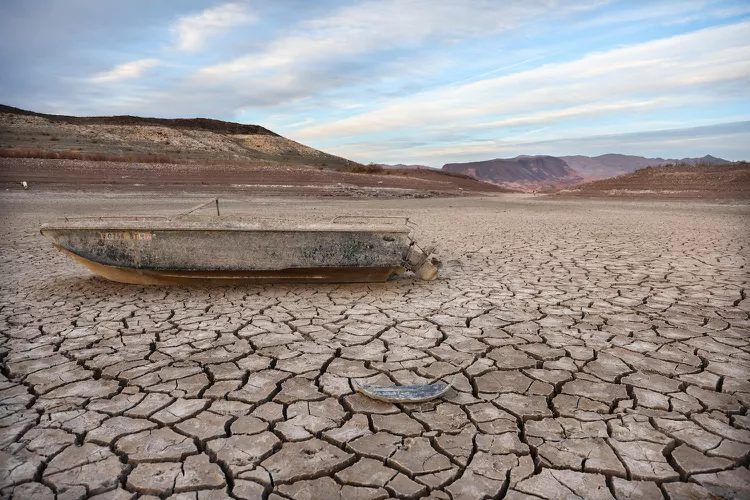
(413, 393)
(226, 249)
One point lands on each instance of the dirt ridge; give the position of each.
(218, 126)
(673, 180)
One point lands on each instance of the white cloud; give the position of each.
(699, 62)
(381, 55)
(373, 26)
(553, 115)
(192, 31)
(125, 71)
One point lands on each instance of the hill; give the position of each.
(681, 180)
(555, 172)
(28, 134)
(523, 172)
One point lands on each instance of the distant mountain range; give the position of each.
(530, 173)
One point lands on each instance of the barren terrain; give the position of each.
(262, 180)
(599, 349)
(726, 181)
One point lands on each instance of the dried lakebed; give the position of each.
(601, 350)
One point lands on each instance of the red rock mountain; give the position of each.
(523, 172)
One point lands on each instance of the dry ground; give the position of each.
(263, 180)
(601, 350)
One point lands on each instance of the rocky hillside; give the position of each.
(731, 180)
(523, 172)
(36, 135)
(551, 172)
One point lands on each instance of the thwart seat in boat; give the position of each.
(188, 248)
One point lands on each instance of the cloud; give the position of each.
(192, 31)
(702, 62)
(125, 71)
(553, 115)
(377, 79)
(322, 53)
(669, 12)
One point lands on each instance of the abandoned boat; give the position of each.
(189, 248)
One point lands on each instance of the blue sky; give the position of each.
(408, 81)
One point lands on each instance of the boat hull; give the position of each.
(182, 277)
(159, 253)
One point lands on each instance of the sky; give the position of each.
(401, 81)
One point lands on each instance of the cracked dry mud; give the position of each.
(601, 351)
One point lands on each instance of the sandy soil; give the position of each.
(600, 349)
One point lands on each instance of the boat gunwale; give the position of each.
(328, 228)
